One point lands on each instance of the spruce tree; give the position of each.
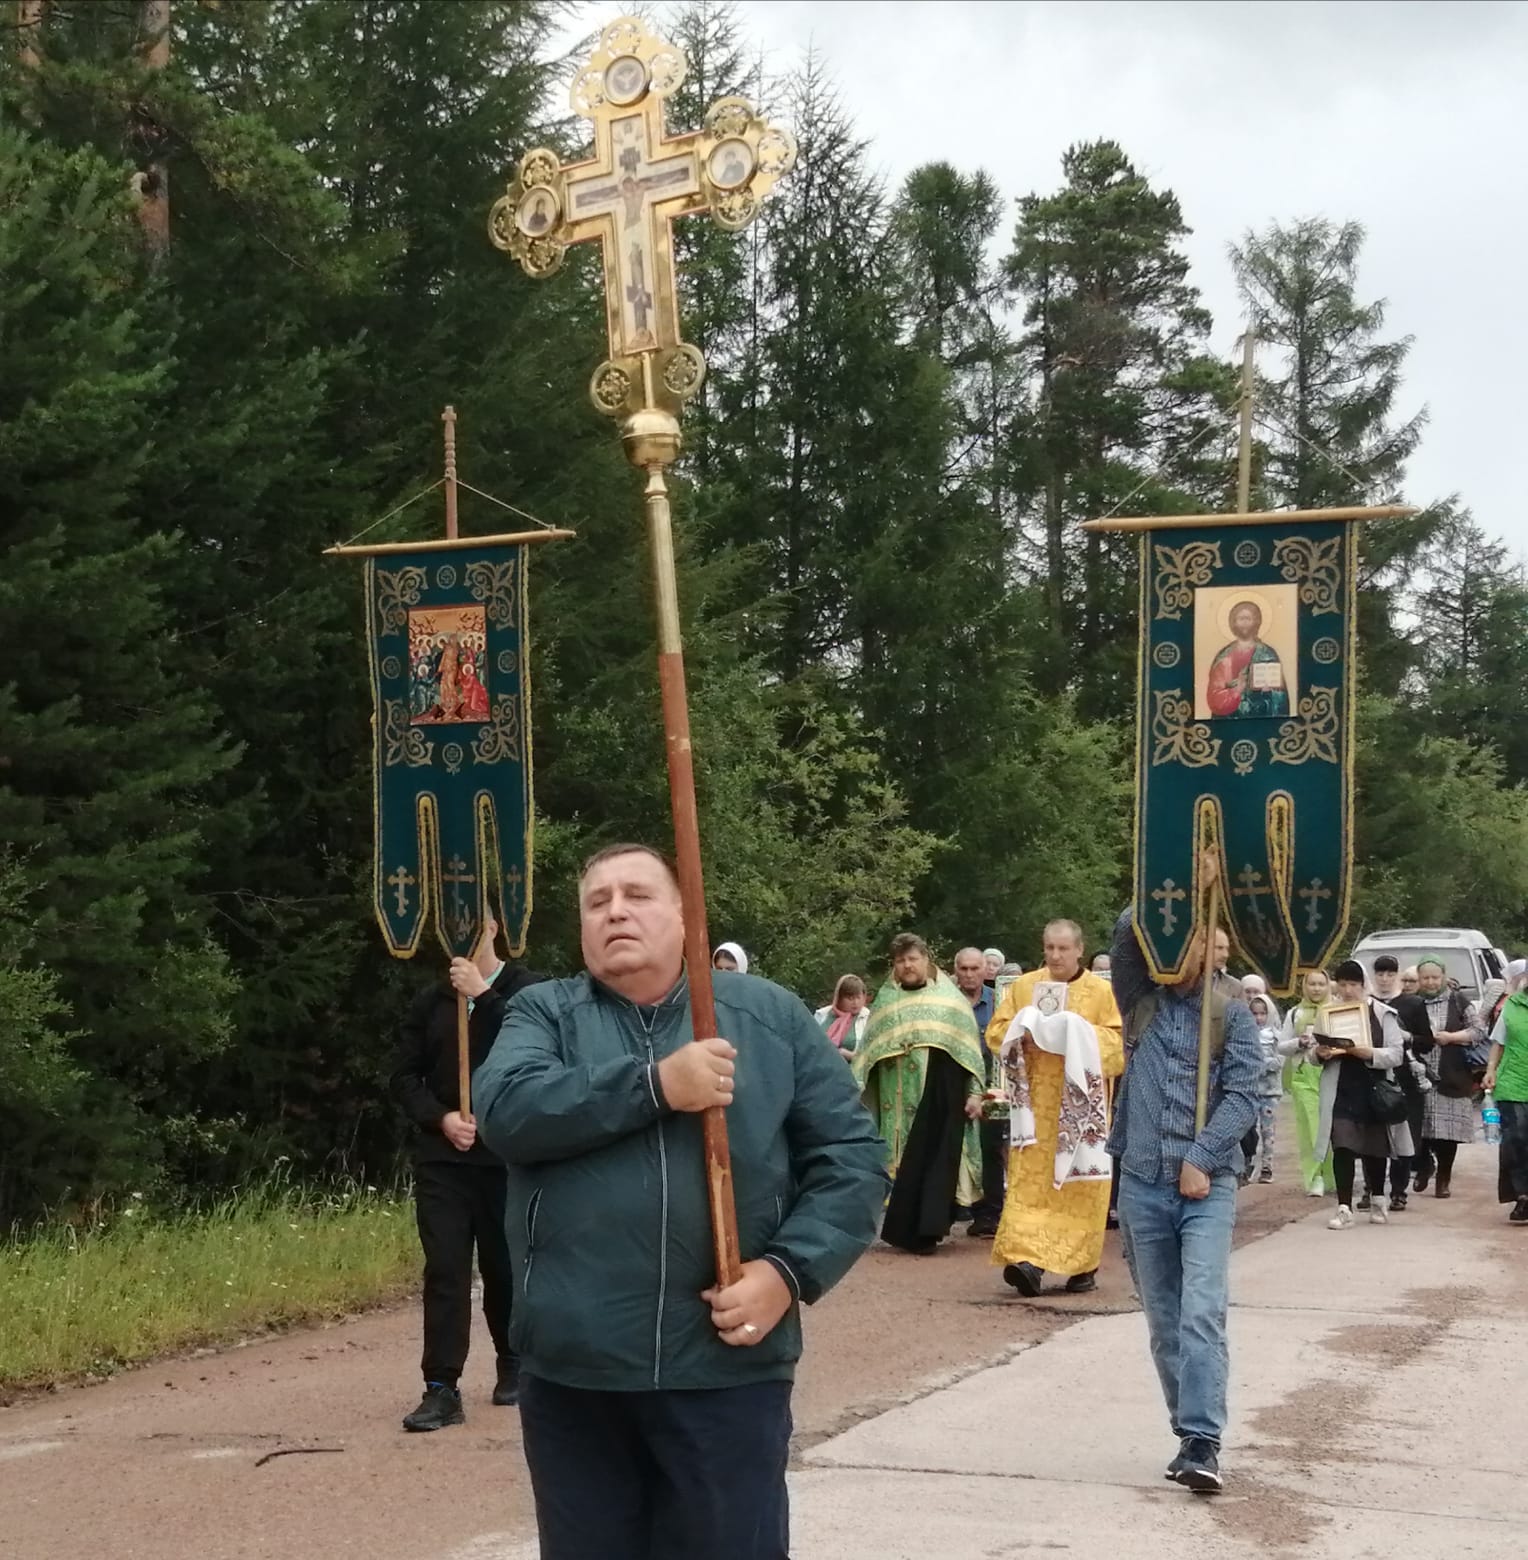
(109, 743)
(1123, 394)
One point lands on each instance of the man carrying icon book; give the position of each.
(1057, 1032)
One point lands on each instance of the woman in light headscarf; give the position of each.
(845, 1017)
(1448, 1113)
(1305, 1080)
(730, 956)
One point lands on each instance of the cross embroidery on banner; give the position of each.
(1165, 897)
(400, 882)
(1252, 890)
(512, 881)
(1313, 893)
(456, 874)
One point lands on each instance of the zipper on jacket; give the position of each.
(532, 1208)
(663, 1204)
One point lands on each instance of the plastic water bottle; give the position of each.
(1490, 1117)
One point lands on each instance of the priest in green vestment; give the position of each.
(922, 1071)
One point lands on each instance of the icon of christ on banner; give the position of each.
(447, 674)
(1245, 676)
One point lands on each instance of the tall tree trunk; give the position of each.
(152, 181)
(29, 19)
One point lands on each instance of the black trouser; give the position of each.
(1344, 1163)
(994, 1136)
(460, 1206)
(659, 1475)
(1402, 1169)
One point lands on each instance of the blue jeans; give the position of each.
(658, 1475)
(1179, 1253)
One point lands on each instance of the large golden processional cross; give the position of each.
(626, 197)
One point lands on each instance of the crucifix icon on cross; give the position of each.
(626, 197)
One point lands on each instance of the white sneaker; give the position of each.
(1377, 1214)
(1342, 1219)
(1318, 1188)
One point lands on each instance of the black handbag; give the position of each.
(1457, 1078)
(1388, 1100)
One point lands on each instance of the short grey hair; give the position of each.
(1062, 924)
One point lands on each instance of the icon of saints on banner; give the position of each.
(449, 646)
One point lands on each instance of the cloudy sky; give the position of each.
(1408, 116)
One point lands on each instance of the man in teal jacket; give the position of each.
(655, 1408)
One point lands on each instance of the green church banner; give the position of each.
(1244, 738)
(448, 642)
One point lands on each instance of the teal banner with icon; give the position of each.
(449, 645)
(1244, 739)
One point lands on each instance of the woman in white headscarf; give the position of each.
(730, 956)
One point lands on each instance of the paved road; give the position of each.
(166, 1462)
(1379, 1407)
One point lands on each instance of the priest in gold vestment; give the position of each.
(1048, 1227)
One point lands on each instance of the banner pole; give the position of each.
(1206, 987)
(463, 1038)
(1244, 441)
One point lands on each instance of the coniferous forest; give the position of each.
(239, 279)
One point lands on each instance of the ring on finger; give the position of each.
(750, 1329)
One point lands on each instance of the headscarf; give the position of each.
(993, 953)
(1492, 994)
(1515, 971)
(736, 950)
(841, 1023)
(1255, 986)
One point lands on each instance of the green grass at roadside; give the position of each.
(136, 1286)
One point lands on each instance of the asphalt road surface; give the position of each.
(289, 1447)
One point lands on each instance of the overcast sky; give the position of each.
(1408, 116)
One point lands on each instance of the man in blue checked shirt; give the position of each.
(1177, 1195)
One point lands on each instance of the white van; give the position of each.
(1468, 956)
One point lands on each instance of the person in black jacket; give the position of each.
(458, 1181)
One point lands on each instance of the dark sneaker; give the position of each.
(1442, 1188)
(1082, 1283)
(1025, 1277)
(1201, 1468)
(1364, 1204)
(982, 1229)
(440, 1406)
(506, 1390)
(1398, 1202)
(1266, 1178)
(1423, 1177)
(1519, 1214)
(1112, 1222)
(1179, 1463)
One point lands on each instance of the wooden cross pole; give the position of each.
(626, 198)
